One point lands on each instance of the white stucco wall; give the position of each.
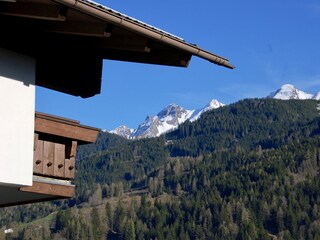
(17, 106)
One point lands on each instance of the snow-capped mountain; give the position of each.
(122, 131)
(212, 105)
(288, 91)
(317, 96)
(173, 115)
(166, 120)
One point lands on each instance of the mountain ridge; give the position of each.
(170, 117)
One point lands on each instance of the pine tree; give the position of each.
(109, 217)
(96, 224)
(130, 230)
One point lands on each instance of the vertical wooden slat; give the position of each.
(48, 157)
(59, 157)
(35, 141)
(70, 160)
(38, 155)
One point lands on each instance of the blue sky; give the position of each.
(271, 43)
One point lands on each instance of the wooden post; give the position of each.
(38, 155)
(59, 158)
(48, 158)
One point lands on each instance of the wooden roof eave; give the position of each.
(70, 38)
(143, 29)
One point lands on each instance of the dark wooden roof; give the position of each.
(70, 38)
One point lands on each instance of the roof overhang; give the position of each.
(70, 38)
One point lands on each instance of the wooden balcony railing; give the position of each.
(55, 145)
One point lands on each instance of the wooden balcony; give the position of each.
(55, 144)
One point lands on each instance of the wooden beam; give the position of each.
(91, 38)
(56, 126)
(91, 29)
(119, 42)
(122, 47)
(108, 30)
(127, 47)
(34, 10)
(50, 189)
(161, 57)
(148, 46)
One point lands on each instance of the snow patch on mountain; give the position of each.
(214, 104)
(317, 96)
(168, 119)
(122, 131)
(288, 91)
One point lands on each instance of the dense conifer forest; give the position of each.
(249, 170)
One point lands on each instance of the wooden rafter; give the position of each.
(80, 28)
(34, 10)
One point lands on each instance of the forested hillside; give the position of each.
(249, 170)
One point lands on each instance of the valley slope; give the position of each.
(247, 170)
